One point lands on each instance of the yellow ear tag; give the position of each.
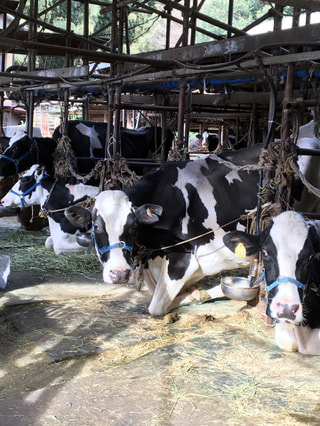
(240, 250)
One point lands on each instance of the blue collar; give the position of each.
(22, 195)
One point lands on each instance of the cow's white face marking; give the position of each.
(114, 207)
(289, 233)
(37, 196)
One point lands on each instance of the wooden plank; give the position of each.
(313, 5)
(237, 45)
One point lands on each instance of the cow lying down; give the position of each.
(172, 221)
(35, 187)
(290, 250)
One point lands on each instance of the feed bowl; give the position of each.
(238, 288)
(84, 239)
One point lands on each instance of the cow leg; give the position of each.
(308, 340)
(284, 337)
(49, 243)
(166, 291)
(196, 295)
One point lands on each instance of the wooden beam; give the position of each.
(313, 5)
(204, 51)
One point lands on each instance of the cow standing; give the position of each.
(290, 250)
(36, 187)
(87, 139)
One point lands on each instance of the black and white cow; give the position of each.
(211, 141)
(87, 138)
(23, 152)
(174, 218)
(290, 250)
(36, 187)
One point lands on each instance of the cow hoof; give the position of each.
(198, 295)
(171, 318)
(49, 243)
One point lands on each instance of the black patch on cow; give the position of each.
(26, 182)
(311, 310)
(305, 261)
(197, 212)
(59, 198)
(231, 198)
(101, 237)
(178, 264)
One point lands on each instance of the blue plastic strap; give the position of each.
(121, 244)
(16, 161)
(27, 191)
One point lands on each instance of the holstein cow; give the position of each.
(87, 138)
(290, 250)
(36, 187)
(173, 219)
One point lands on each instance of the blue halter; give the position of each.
(281, 280)
(22, 195)
(16, 161)
(121, 244)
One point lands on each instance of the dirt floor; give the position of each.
(74, 351)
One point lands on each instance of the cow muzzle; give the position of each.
(120, 275)
(286, 306)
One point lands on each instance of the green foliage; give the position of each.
(146, 31)
(244, 13)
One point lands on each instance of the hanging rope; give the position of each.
(117, 174)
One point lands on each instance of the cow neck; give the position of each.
(44, 207)
(35, 146)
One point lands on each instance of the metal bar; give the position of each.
(85, 53)
(304, 4)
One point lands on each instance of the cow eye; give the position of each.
(97, 227)
(265, 253)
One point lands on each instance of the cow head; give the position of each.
(19, 156)
(27, 190)
(289, 247)
(114, 221)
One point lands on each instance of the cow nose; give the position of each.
(286, 310)
(120, 275)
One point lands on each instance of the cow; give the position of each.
(178, 214)
(24, 151)
(211, 141)
(290, 249)
(172, 221)
(36, 187)
(87, 139)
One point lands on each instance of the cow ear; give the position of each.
(241, 243)
(40, 171)
(148, 213)
(79, 217)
